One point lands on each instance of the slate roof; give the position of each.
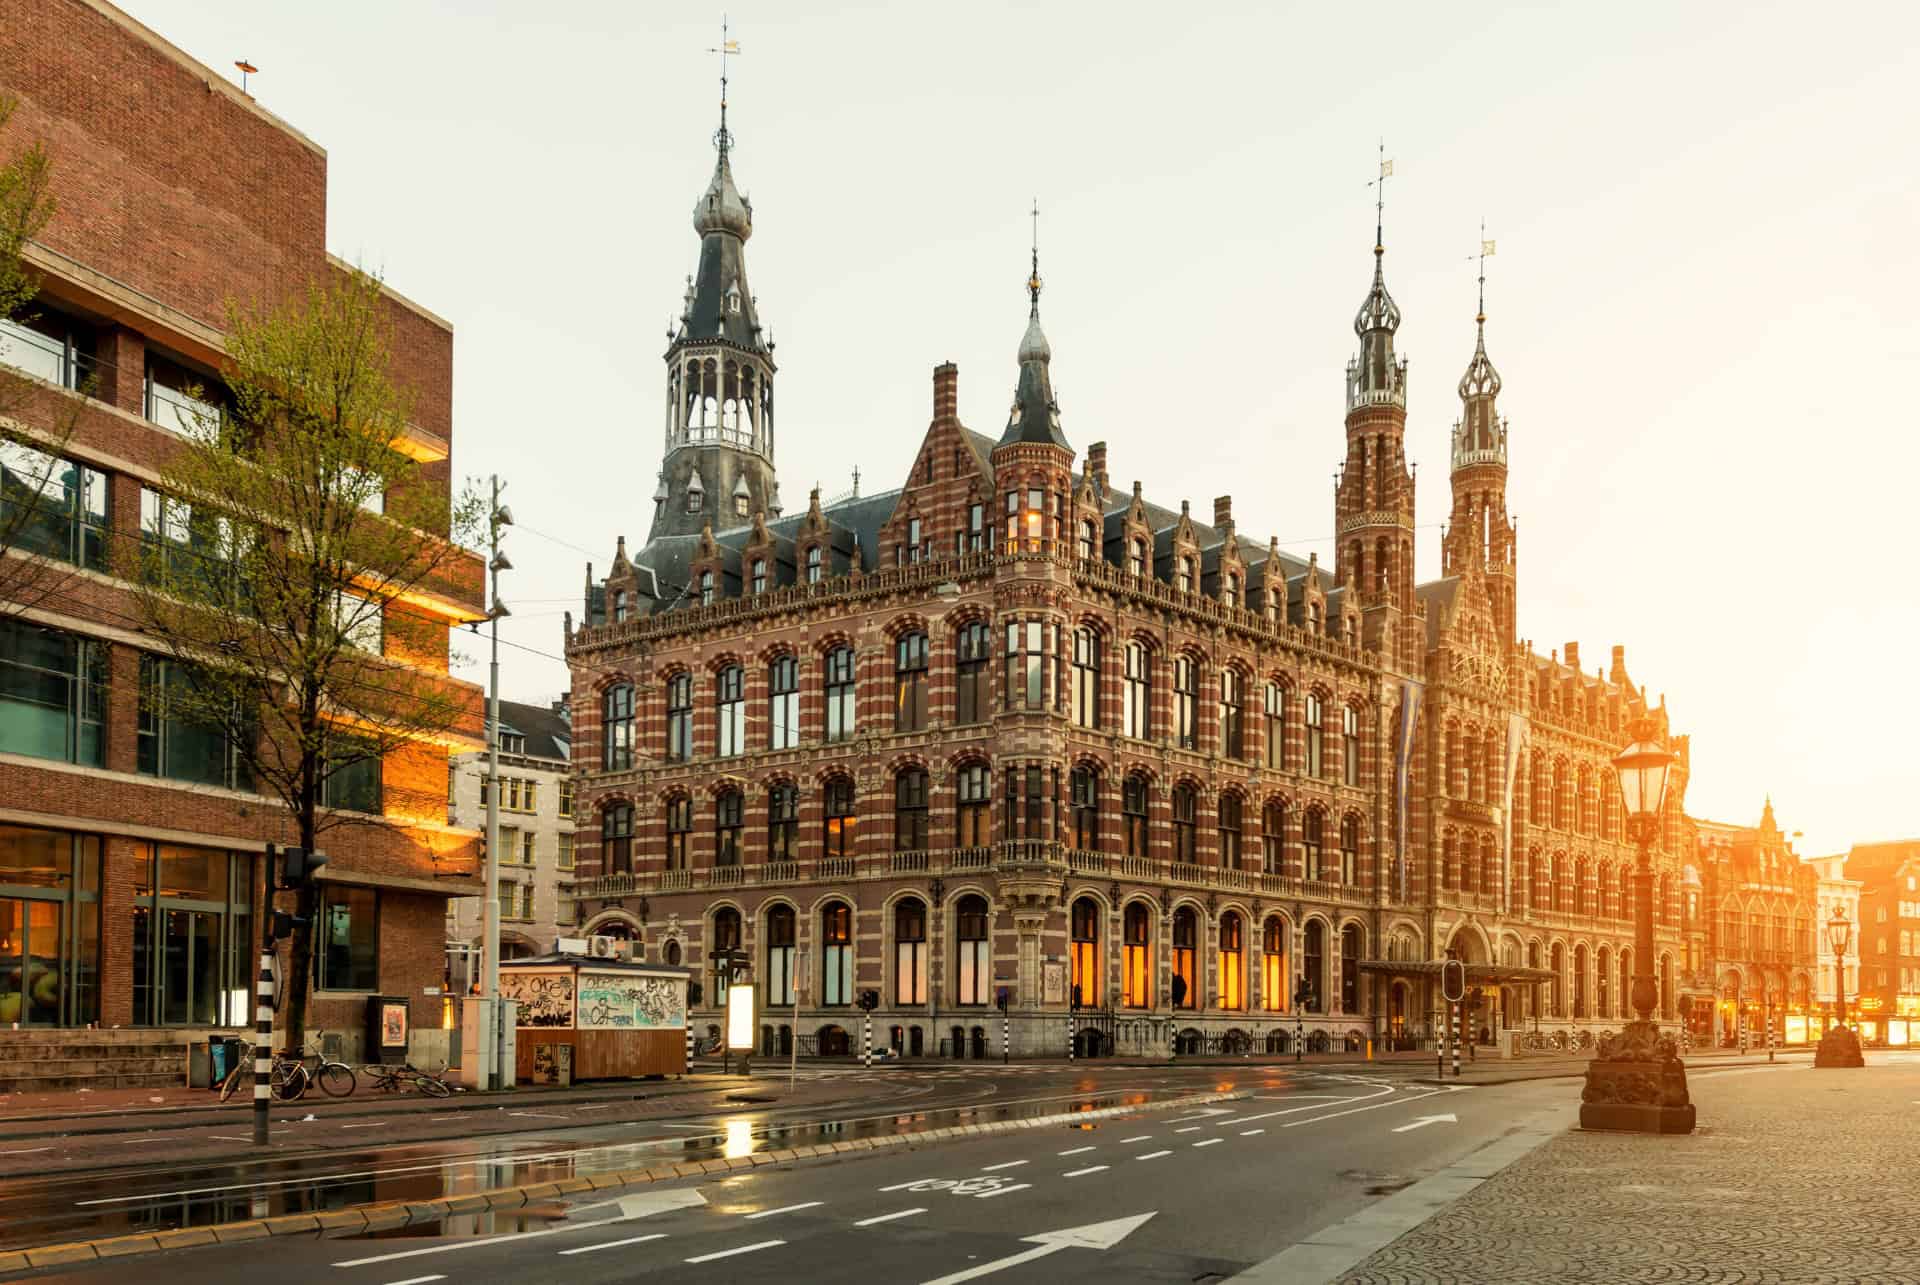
(549, 734)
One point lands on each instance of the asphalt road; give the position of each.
(1187, 1194)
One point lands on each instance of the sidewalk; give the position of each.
(1794, 1175)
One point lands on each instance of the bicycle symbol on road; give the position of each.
(959, 1186)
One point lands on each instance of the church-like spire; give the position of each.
(1481, 436)
(1035, 416)
(1375, 376)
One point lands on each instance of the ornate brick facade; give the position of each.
(1134, 746)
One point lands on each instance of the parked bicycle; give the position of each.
(287, 1082)
(335, 1078)
(388, 1078)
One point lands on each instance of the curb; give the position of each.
(1576, 1073)
(399, 1213)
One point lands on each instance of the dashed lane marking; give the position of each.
(605, 1244)
(1081, 1173)
(1153, 1155)
(1073, 1151)
(1248, 1133)
(1139, 1137)
(1208, 1142)
(784, 1209)
(471, 1244)
(1011, 1164)
(1018, 1186)
(887, 1218)
(418, 1280)
(1192, 1128)
(743, 1249)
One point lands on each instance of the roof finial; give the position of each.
(1033, 278)
(1379, 187)
(1486, 248)
(722, 139)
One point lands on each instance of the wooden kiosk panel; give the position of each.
(619, 1019)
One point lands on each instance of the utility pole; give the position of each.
(499, 517)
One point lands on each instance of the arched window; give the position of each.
(679, 718)
(783, 703)
(1136, 557)
(706, 577)
(673, 953)
(1233, 714)
(783, 823)
(1136, 956)
(839, 689)
(617, 720)
(975, 795)
(974, 966)
(910, 683)
(727, 810)
(679, 832)
(910, 951)
(1184, 580)
(1580, 981)
(972, 697)
(1230, 831)
(1086, 678)
(616, 839)
(1316, 735)
(1313, 843)
(1185, 933)
(910, 811)
(779, 989)
(1350, 950)
(730, 703)
(1273, 837)
(758, 581)
(1084, 792)
(1184, 800)
(1603, 983)
(1313, 959)
(813, 564)
(1133, 815)
(839, 818)
(619, 606)
(1233, 958)
(1273, 965)
(1350, 745)
(1186, 702)
(1350, 850)
(1557, 1000)
(836, 948)
(1031, 645)
(1088, 540)
(1276, 728)
(1085, 945)
(726, 936)
(1136, 692)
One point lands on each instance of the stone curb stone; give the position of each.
(381, 1217)
(288, 1224)
(229, 1233)
(341, 1219)
(112, 1248)
(182, 1237)
(55, 1255)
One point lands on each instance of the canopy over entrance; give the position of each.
(1477, 974)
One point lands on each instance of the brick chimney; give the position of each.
(1097, 465)
(1619, 671)
(946, 392)
(1573, 656)
(1222, 510)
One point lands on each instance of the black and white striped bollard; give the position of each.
(263, 1043)
(1069, 1037)
(866, 1041)
(1456, 1038)
(689, 1067)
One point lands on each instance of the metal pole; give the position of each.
(489, 1071)
(793, 1048)
(1456, 1039)
(1006, 1036)
(1069, 1037)
(866, 1041)
(263, 1027)
(689, 1069)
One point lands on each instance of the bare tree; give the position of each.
(295, 531)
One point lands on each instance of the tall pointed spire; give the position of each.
(1374, 376)
(1035, 416)
(1480, 536)
(1480, 429)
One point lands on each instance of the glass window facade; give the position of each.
(49, 927)
(347, 945)
(193, 945)
(53, 689)
(52, 506)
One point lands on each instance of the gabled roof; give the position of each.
(549, 733)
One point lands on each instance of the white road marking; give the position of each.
(784, 1209)
(1001, 1191)
(606, 1244)
(1139, 1137)
(473, 1244)
(902, 1186)
(1011, 1164)
(129, 1142)
(1153, 1155)
(607, 1106)
(418, 1280)
(1192, 1128)
(542, 1115)
(1425, 1120)
(1092, 1236)
(744, 1249)
(1248, 1133)
(1072, 1151)
(1294, 1124)
(377, 1124)
(223, 1137)
(887, 1218)
(1268, 1115)
(1208, 1142)
(1081, 1173)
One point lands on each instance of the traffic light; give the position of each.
(869, 1000)
(1002, 997)
(298, 866)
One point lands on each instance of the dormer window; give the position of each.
(1185, 579)
(1230, 589)
(813, 564)
(759, 575)
(1137, 557)
(740, 503)
(693, 500)
(733, 299)
(706, 588)
(619, 606)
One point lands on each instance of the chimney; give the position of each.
(1222, 510)
(946, 392)
(1573, 656)
(1097, 465)
(1619, 672)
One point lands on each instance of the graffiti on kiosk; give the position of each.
(623, 1002)
(545, 999)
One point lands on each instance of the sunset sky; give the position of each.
(1702, 304)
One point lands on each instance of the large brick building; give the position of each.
(1016, 725)
(1886, 1005)
(1749, 922)
(131, 873)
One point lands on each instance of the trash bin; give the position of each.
(388, 1024)
(217, 1059)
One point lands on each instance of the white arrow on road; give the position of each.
(1201, 1114)
(1092, 1236)
(659, 1202)
(1426, 1120)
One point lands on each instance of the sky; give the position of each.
(1702, 301)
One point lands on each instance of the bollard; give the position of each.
(1069, 1037)
(866, 1042)
(1456, 1039)
(689, 1044)
(1369, 1050)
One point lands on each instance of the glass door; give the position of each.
(189, 967)
(30, 961)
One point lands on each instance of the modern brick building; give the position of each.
(1887, 1004)
(131, 873)
(1017, 727)
(1750, 922)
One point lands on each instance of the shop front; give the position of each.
(49, 927)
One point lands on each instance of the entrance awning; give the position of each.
(1477, 974)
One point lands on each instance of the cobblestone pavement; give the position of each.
(1793, 1176)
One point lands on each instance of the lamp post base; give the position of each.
(1636, 1083)
(1839, 1047)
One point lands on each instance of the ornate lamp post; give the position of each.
(1637, 1082)
(1839, 1046)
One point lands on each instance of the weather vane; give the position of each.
(246, 69)
(1033, 280)
(728, 47)
(1486, 249)
(1379, 187)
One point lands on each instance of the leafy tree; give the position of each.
(295, 532)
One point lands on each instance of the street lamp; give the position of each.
(1638, 1083)
(1839, 1046)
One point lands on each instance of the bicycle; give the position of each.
(335, 1078)
(388, 1078)
(287, 1082)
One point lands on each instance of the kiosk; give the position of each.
(615, 1019)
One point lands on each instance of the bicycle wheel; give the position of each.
(231, 1085)
(290, 1082)
(337, 1079)
(432, 1087)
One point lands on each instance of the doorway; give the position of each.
(30, 961)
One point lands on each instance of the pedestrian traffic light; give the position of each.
(297, 866)
(1002, 997)
(869, 1000)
